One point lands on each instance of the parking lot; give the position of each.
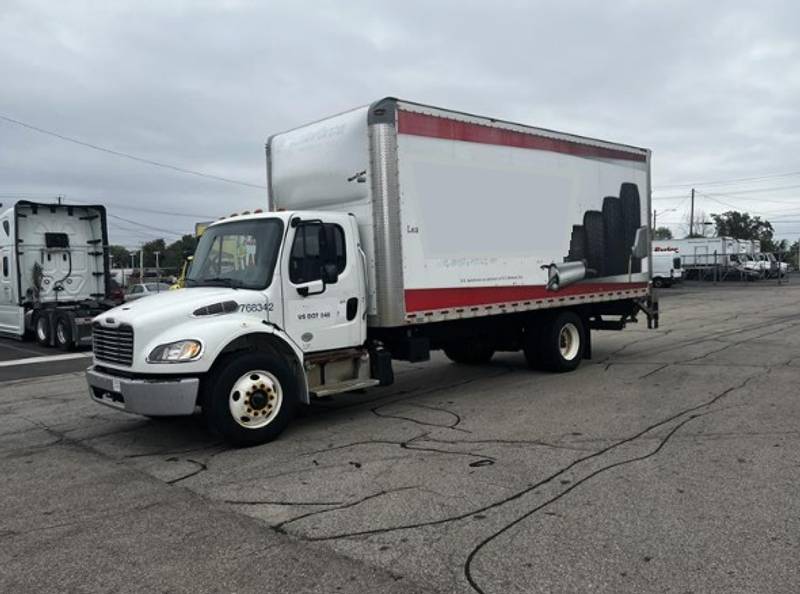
(669, 463)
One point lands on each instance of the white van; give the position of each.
(667, 268)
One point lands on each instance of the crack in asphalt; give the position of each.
(474, 552)
(201, 467)
(728, 345)
(454, 426)
(282, 502)
(280, 526)
(681, 344)
(468, 563)
(403, 395)
(535, 486)
(534, 442)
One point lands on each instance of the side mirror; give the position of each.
(314, 287)
(330, 273)
(641, 244)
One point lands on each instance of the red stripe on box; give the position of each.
(421, 124)
(433, 299)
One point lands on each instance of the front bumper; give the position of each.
(155, 398)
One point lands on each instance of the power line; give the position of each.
(759, 199)
(730, 181)
(170, 231)
(107, 202)
(148, 210)
(758, 190)
(130, 156)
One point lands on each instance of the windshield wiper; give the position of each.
(216, 281)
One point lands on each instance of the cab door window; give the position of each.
(308, 254)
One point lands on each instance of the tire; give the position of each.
(41, 329)
(595, 241)
(230, 413)
(577, 244)
(62, 333)
(471, 351)
(616, 255)
(631, 219)
(658, 283)
(561, 343)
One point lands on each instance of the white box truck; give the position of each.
(701, 252)
(55, 273)
(393, 230)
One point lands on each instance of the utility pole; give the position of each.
(654, 219)
(691, 216)
(141, 265)
(158, 270)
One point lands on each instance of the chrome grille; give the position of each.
(114, 345)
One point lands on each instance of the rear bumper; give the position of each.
(149, 397)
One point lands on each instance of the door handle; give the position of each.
(352, 308)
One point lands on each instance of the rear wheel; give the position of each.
(561, 343)
(62, 333)
(658, 283)
(41, 329)
(252, 400)
(471, 351)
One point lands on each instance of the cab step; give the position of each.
(348, 386)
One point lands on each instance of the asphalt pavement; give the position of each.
(668, 463)
(26, 359)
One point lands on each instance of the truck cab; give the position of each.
(273, 312)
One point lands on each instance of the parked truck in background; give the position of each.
(55, 272)
(700, 252)
(394, 229)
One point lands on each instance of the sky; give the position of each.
(712, 88)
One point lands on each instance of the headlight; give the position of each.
(176, 352)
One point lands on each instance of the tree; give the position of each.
(662, 233)
(698, 227)
(178, 250)
(740, 225)
(793, 255)
(150, 248)
(120, 256)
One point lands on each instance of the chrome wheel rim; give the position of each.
(569, 341)
(41, 330)
(60, 335)
(255, 399)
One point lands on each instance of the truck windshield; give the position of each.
(239, 254)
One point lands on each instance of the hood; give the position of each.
(171, 306)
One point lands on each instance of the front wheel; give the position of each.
(252, 400)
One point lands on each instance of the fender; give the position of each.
(268, 337)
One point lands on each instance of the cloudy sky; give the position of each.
(712, 88)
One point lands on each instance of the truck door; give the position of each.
(324, 288)
(10, 311)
